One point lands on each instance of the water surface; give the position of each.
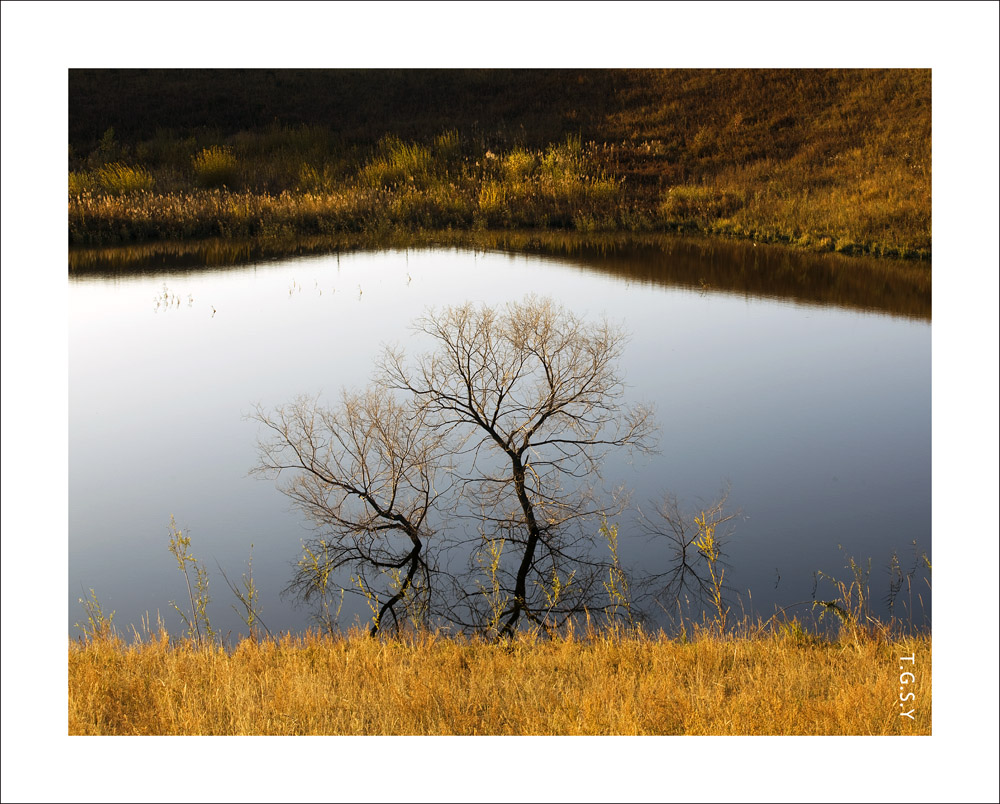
(817, 415)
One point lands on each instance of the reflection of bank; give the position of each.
(756, 270)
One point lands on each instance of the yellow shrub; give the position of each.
(119, 178)
(215, 167)
(492, 199)
(518, 164)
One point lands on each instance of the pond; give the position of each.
(811, 405)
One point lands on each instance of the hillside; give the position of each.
(823, 159)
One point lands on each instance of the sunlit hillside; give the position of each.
(830, 160)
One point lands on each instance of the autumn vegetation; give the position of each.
(460, 497)
(781, 682)
(825, 160)
(537, 629)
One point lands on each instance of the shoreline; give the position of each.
(378, 214)
(700, 262)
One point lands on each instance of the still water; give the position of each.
(816, 415)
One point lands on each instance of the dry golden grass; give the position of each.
(824, 160)
(776, 683)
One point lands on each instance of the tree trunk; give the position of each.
(534, 534)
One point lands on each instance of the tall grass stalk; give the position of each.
(98, 624)
(196, 618)
(491, 591)
(710, 549)
(617, 585)
(248, 595)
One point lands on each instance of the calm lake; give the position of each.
(813, 405)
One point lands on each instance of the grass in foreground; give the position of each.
(780, 682)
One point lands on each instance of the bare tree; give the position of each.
(363, 473)
(490, 443)
(532, 398)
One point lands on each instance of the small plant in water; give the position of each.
(851, 606)
(709, 547)
(495, 598)
(197, 621)
(617, 585)
(98, 624)
(371, 598)
(249, 597)
(317, 566)
(552, 592)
